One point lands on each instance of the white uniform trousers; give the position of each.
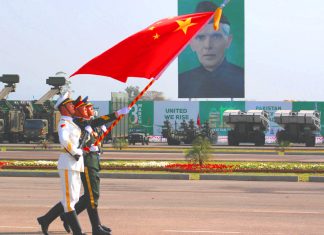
(71, 187)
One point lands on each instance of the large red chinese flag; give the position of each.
(147, 53)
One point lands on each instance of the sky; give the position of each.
(283, 45)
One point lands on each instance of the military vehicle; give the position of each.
(42, 123)
(187, 132)
(11, 116)
(246, 127)
(138, 135)
(299, 127)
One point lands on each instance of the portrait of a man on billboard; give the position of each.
(219, 69)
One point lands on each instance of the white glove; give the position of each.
(88, 129)
(104, 128)
(122, 111)
(94, 148)
(79, 152)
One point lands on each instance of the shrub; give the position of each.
(200, 151)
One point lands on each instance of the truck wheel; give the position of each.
(230, 138)
(310, 141)
(260, 139)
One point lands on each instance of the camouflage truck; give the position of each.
(42, 123)
(11, 123)
(11, 116)
(35, 130)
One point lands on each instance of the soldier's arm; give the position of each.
(109, 117)
(103, 119)
(81, 123)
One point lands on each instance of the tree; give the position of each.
(200, 151)
(153, 95)
(132, 91)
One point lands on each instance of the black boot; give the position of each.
(103, 226)
(74, 223)
(97, 229)
(79, 207)
(65, 223)
(50, 216)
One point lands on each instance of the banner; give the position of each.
(175, 112)
(212, 111)
(141, 117)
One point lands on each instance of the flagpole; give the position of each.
(98, 141)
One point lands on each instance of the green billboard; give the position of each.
(212, 111)
(141, 117)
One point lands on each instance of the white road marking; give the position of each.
(16, 227)
(201, 231)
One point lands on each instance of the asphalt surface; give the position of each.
(165, 207)
(53, 155)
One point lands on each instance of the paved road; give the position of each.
(148, 207)
(53, 155)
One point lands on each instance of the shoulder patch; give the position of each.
(105, 117)
(63, 125)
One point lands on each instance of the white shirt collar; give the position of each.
(67, 118)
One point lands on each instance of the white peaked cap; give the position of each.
(61, 99)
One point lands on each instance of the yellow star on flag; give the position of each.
(184, 25)
(151, 28)
(156, 36)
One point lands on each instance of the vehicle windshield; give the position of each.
(34, 124)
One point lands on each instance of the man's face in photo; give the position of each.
(210, 45)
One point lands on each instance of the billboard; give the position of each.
(271, 107)
(212, 65)
(140, 117)
(212, 111)
(175, 112)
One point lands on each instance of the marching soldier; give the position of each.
(90, 177)
(70, 164)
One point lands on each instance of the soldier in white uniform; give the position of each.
(70, 164)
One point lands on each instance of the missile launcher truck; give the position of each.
(298, 127)
(246, 127)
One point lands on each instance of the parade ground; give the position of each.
(116, 155)
(173, 206)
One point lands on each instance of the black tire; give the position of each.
(310, 141)
(281, 136)
(260, 139)
(231, 139)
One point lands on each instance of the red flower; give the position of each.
(3, 164)
(197, 167)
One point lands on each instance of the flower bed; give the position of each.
(172, 166)
(200, 168)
